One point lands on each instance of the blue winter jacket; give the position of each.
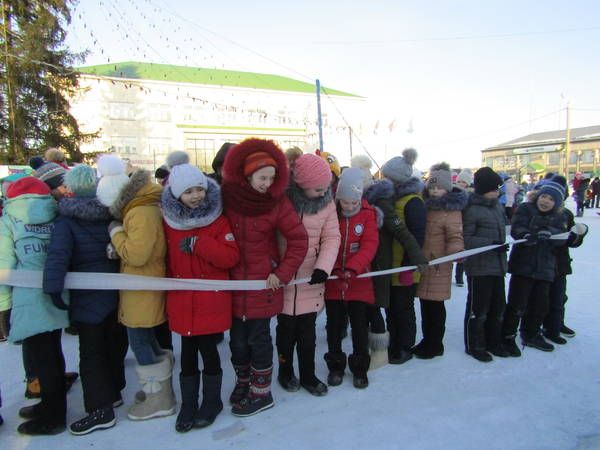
(78, 244)
(25, 230)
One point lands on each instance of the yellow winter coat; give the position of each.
(142, 248)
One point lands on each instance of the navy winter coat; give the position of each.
(78, 244)
(537, 260)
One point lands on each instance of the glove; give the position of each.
(4, 324)
(318, 276)
(114, 227)
(58, 301)
(531, 238)
(543, 235)
(111, 252)
(186, 245)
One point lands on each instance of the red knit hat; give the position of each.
(27, 185)
(311, 171)
(257, 161)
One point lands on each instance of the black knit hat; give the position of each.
(486, 180)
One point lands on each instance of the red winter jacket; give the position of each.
(192, 313)
(255, 220)
(360, 239)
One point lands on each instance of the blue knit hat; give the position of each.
(554, 190)
(81, 181)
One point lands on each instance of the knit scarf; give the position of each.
(245, 200)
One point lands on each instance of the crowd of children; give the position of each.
(297, 222)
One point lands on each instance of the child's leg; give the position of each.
(478, 305)
(143, 344)
(240, 359)
(189, 355)
(335, 357)
(285, 340)
(493, 323)
(307, 342)
(519, 291)
(537, 310)
(359, 360)
(434, 324)
(212, 377)
(556, 308)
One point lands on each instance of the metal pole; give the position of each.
(568, 142)
(350, 129)
(319, 118)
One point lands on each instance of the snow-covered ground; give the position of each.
(538, 401)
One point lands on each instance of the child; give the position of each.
(310, 193)
(199, 245)
(25, 230)
(358, 228)
(464, 181)
(484, 223)
(138, 238)
(443, 236)
(78, 244)
(532, 265)
(255, 178)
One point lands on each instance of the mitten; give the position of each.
(58, 301)
(111, 252)
(114, 227)
(318, 276)
(186, 245)
(406, 278)
(544, 235)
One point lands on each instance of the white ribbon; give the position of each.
(124, 282)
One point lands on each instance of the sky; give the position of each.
(466, 75)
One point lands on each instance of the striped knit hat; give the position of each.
(554, 190)
(52, 174)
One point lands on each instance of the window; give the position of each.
(159, 112)
(202, 152)
(159, 146)
(124, 145)
(573, 157)
(587, 157)
(121, 111)
(554, 159)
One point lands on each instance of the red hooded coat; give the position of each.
(255, 220)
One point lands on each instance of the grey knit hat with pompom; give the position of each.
(399, 169)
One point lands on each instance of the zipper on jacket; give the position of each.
(296, 274)
(245, 299)
(344, 251)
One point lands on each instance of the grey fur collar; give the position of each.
(180, 217)
(378, 190)
(480, 200)
(305, 205)
(138, 180)
(412, 186)
(85, 208)
(455, 200)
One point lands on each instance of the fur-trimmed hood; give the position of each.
(85, 208)
(233, 167)
(180, 217)
(303, 204)
(378, 190)
(413, 186)
(138, 191)
(455, 200)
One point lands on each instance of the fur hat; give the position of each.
(311, 171)
(440, 177)
(554, 190)
(35, 162)
(177, 157)
(364, 163)
(334, 164)
(81, 181)
(399, 169)
(185, 176)
(256, 161)
(292, 154)
(350, 186)
(466, 176)
(27, 185)
(486, 180)
(52, 174)
(54, 155)
(112, 178)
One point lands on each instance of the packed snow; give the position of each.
(539, 401)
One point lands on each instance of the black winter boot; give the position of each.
(537, 341)
(242, 383)
(212, 404)
(511, 347)
(556, 338)
(285, 376)
(336, 363)
(52, 419)
(285, 340)
(189, 402)
(480, 355)
(259, 397)
(359, 365)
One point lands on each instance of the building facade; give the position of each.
(538, 153)
(143, 111)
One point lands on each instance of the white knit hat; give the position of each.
(112, 178)
(185, 176)
(364, 163)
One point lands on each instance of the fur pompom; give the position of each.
(110, 165)
(361, 162)
(177, 158)
(440, 166)
(409, 155)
